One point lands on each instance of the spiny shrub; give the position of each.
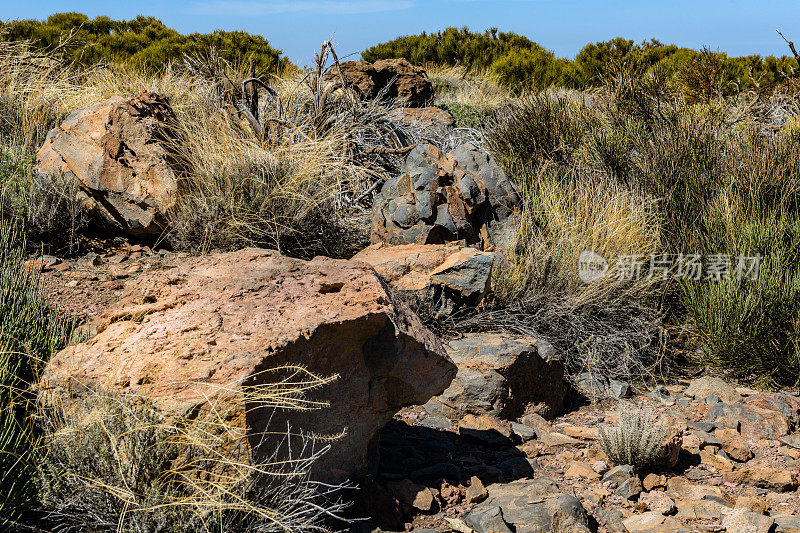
(635, 440)
(29, 333)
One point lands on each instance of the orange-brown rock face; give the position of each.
(217, 322)
(394, 78)
(116, 151)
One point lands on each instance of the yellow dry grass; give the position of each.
(476, 89)
(201, 470)
(566, 215)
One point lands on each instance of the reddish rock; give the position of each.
(652, 522)
(117, 153)
(476, 492)
(486, 428)
(753, 503)
(763, 416)
(412, 494)
(746, 521)
(206, 331)
(658, 501)
(670, 450)
(763, 475)
(538, 423)
(580, 469)
(654, 481)
(716, 461)
(734, 445)
(390, 78)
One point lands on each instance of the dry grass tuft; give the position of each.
(114, 463)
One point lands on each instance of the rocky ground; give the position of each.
(474, 459)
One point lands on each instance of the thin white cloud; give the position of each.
(266, 7)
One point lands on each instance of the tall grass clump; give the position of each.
(49, 210)
(470, 96)
(610, 326)
(29, 333)
(298, 178)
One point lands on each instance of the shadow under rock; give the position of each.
(440, 460)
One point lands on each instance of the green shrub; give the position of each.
(538, 128)
(530, 69)
(749, 327)
(681, 167)
(451, 47)
(525, 65)
(29, 333)
(143, 42)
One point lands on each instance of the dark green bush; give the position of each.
(531, 69)
(144, 41)
(524, 65)
(452, 47)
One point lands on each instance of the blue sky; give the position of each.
(298, 27)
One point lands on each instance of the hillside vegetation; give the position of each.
(143, 42)
(524, 65)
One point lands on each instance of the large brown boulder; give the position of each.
(215, 324)
(463, 196)
(392, 78)
(118, 154)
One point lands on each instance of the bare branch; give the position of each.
(791, 47)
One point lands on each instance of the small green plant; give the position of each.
(635, 440)
(465, 115)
